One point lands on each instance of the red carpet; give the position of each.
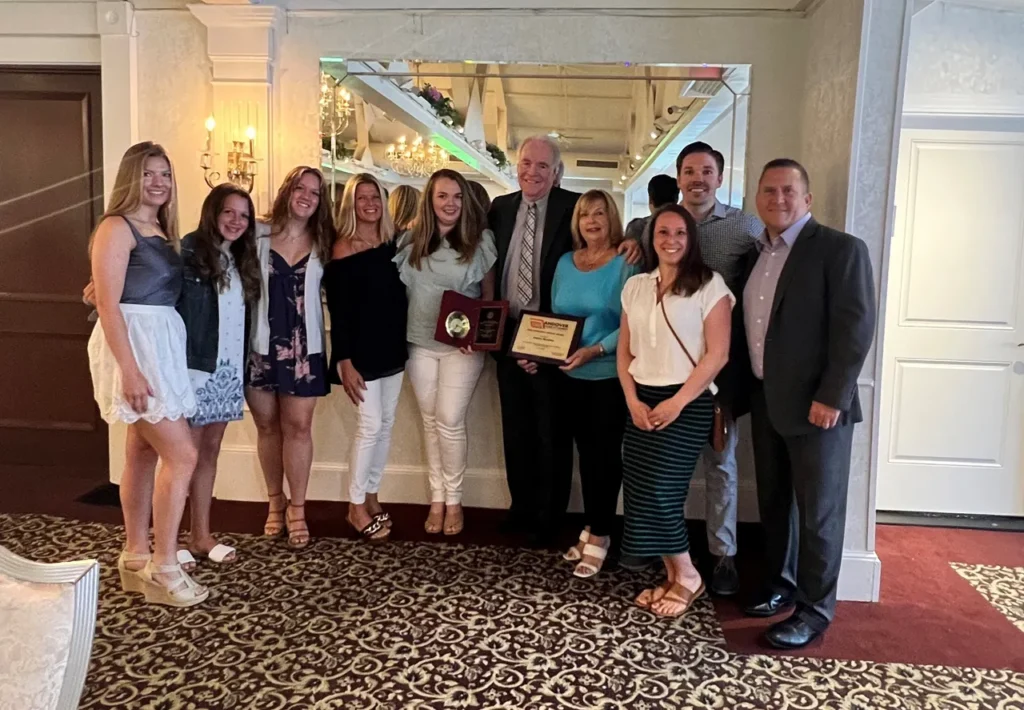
(928, 614)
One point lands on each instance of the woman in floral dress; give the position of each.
(287, 363)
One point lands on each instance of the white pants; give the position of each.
(373, 436)
(444, 384)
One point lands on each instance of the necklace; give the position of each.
(589, 262)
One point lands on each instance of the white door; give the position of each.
(953, 377)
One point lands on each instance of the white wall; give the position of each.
(966, 59)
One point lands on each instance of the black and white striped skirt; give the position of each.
(656, 470)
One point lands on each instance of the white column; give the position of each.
(242, 44)
(119, 77)
(884, 39)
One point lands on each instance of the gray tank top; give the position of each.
(154, 273)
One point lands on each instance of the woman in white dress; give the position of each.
(139, 371)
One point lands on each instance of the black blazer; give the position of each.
(557, 236)
(820, 330)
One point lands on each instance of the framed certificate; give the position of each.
(468, 322)
(547, 338)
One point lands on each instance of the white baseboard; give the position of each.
(239, 478)
(860, 578)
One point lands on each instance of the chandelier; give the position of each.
(335, 106)
(417, 159)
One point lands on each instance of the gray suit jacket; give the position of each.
(821, 327)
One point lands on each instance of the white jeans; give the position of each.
(444, 384)
(373, 436)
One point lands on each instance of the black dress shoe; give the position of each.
(769, 606)
(791, 633)
(725, 580)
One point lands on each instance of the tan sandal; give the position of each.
(275, 516)
(453, 522)
(131, 577)
(434, 523)
(185, 592)
(678, 594)
(653, 595)
(298, 532)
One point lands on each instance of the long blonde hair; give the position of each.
(587, 199)
(319, 223)
(126, 197)
(402, 206)
(345, 211)
(464, 238)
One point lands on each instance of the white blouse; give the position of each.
(657, 358)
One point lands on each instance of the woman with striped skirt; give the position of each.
(678, 310)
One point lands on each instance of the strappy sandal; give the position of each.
(434, 524)
(586, 570)
(185, 592)
(298, 532)
(219, 554)
(458, 521)
(654, 594)
(382, 518)
(678, 594)
(573, 553)
(275, 516)
(131, 577)
(374, 531)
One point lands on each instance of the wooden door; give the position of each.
(952, 423)
(51, 195)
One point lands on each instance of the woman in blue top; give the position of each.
(588, 283)
(447, 248)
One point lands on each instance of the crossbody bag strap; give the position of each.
(661, 302)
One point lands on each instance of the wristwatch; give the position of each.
(600, 350)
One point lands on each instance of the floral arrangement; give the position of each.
(442, 105)
(497, 155)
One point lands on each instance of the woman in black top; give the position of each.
(367, 305)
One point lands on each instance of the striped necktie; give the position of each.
(524, 287)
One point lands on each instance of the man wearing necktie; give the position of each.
(532, 230)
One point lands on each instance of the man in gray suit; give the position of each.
(809, 315)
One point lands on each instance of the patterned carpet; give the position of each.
(409, 625)
(1002, 586)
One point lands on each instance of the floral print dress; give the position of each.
(219, 394)
(288, 368)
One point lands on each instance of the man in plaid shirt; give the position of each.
(727, 239)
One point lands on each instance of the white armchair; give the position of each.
(47, 620)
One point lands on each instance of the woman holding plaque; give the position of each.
(588, 283)
(448, 248)
(287, 369)
(673, 341)
(366, 300)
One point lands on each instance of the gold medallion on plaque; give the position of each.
(457, 325)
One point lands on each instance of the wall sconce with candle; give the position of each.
(241, 167)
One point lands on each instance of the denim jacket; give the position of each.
(199, 308)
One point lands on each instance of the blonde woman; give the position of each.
(287, 369)
(402, 206)
(588, 284)
(448, 248)
(367, 303)
(139, 368)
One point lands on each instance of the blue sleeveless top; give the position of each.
(154, 275)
